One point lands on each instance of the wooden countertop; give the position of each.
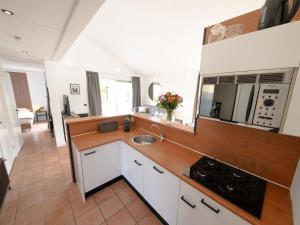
(277, 209)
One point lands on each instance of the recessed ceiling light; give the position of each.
(7, 12)
(16, 37)
(25, 52)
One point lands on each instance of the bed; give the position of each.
(26, 118)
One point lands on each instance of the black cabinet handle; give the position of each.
(90, 153)
(158, 170)
(136, 162)
(210, 207)
(187, 202)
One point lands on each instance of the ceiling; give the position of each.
(160, 36)
(44, 26)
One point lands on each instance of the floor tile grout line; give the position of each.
(129, 202)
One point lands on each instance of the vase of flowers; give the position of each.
(169, 102)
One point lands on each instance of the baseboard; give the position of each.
(91, 192)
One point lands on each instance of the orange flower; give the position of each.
(171, 98)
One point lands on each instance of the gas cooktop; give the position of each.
(243, 189)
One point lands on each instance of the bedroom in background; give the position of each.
(31, 98)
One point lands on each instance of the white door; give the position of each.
(13, 125)
(7, 153)
(133, 166)
(100, 165)
(161, 190)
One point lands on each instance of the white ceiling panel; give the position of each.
(42, 25)
(160, 36)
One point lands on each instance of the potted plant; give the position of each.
(169, 102)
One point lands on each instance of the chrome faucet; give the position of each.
(162, 138)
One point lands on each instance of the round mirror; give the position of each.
(154, 91)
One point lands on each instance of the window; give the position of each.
(116, 96)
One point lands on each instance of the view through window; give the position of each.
(116, 96)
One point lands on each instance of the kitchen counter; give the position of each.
(277, 208)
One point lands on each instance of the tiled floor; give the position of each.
(43, 193)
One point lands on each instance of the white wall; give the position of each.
(183, 84)
(84, 53)
(82, 56)
(295, 195)
(37, 88)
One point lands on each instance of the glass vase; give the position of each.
(170, 114)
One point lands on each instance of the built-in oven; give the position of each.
(257, 99)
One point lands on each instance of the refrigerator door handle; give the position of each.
(250, 102)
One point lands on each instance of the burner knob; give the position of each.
(229, 188)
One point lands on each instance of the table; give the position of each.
(41, 113)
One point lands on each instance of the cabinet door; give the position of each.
(161, 190)
(132, 166)
(100, 165)
(197, 209)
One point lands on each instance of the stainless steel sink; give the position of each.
(144, 139)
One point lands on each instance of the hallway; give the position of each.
(42, 191)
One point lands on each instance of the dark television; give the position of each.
(66, 106)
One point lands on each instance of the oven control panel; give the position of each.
(270, 105)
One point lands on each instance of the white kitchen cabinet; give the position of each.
(100, 165)
(133, 167)
(161, 190)
(197, 209)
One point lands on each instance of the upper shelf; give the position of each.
(240, 25)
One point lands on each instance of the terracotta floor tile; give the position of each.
(62, 216)
(127, 195)
(31, 189)
(12, 195)
(119, 186)
(150, 219)
(30, 214)
(30, 200)
(110, 207)
(138, 209)
(27, 180)
(73, 193)
(8, 213)
(91, 217)
(42, 187)
(54, 203)
(16, 183)
(53, 180)
(52, 190)
(41, 221)
(79, 207)
(104, 195)
(121, 218)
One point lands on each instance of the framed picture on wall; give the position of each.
(75, 89)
